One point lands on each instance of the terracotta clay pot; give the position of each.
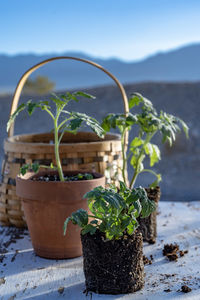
(148, 226)
(46, 206)
(113, 267)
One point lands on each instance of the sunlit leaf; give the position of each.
(156, 182)
(155, 155)
(135, 99)
(14, 115)
(82, 94)
(91, 122)
(136, 142)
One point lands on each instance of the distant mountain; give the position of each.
(181, 64)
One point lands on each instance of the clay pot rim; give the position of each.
(29, 175)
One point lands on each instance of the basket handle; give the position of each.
(25, 76)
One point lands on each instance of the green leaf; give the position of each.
(116, 214)
(57, 100)
(106, 125)
(109, 235)
(149, 149)
(65, 224)
(14, 115)
(138, 208)
(31, 107)
(35, 167)
(69, 97)
(24, 169)
(185, 127)
(141, 165)
(126, 220)
(88, 176)
(94, 194)
(75, 124)
(80, 176)
(103, 226)
(155, 156)
(156, 182)
(91, 122)
(80, 217)
(131, 209)
(123, 187)
(131, 119)
(132, 226)
(113, 199)
(52, 166)
(136, 142)
(135, 195)
(82, 94)
(114, 121)
(89, 229)
(166, 135)
(137, 98)
(148, 206)
(134, 100)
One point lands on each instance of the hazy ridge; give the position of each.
(182, 64)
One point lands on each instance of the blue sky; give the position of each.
(128, 29)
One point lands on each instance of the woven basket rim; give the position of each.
(110, 137)
(13, 144)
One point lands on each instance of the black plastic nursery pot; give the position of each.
(113, 267)
(148, 226)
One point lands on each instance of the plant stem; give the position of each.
(134, 179)
(48, 167)
(60, 126)
(50, 113)
(63, 122)
(137, 172)
(61, 136)
(56, 145)
(149, 171)
(124, 164)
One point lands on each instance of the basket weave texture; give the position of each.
(83, 151)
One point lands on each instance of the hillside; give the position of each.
(182, 64)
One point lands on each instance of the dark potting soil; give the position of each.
(146, 260)
(167, 291)
(148, 226)
(78, 177)
(185, 289)
(113, 267)
(172, 252)
(13, 234)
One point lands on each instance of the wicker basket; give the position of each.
(84, 151)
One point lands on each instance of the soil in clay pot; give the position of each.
(148, 226)
(113, 267)
(55, 177)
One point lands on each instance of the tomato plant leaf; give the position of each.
(91, 122)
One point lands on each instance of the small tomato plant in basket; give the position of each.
(148, 122)
(63, 121)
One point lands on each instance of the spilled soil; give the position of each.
(172, 252)
(9, 236)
